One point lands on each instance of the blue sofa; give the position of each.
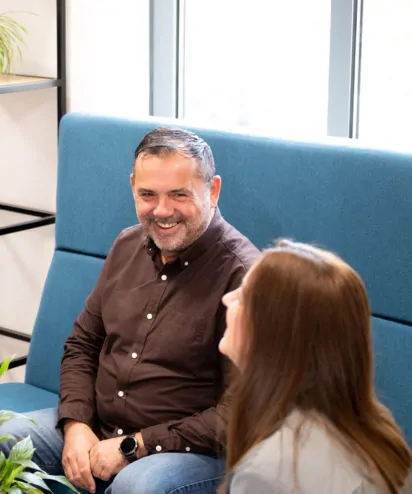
(357, 202)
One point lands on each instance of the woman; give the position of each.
(305, 417)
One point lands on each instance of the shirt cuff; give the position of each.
(159, 438)
(80, 413)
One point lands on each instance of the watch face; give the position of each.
(128, 445)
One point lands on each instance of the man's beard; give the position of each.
(188, 231)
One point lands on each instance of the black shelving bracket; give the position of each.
(16, 335)
(43, 218)
(18, 362)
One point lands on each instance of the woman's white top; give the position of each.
(323, 465)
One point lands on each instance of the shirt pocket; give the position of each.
(178, 336)
(190, 327)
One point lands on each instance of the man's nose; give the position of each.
(164, 208)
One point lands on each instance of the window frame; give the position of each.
(167, 19)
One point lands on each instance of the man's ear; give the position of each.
(132, 184)
(215, 190)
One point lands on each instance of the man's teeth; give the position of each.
(166, 225)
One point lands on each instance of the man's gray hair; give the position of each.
(163, 141)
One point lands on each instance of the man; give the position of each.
(142, 380)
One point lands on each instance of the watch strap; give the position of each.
(131, 455)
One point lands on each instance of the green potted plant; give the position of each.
(12, 36)
(18, 473)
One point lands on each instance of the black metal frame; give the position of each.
(16, 335)
(61, 59)
(42, 217)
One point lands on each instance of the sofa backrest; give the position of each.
(356, 202)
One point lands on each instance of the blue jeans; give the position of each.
(164, 473)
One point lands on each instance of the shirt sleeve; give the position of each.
(81, 359)
(205, 432)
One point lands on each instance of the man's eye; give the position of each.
(147, 194)
(180, 195)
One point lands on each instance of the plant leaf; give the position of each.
(5, 365)
(23, 450)
(2, 460)
(12, 35)
(58, 478)
(14, 490)
(5, 470)
(27, 488)
(6, 415)
(33, 479)
(10, 473)
(29, 464)
(5, 438)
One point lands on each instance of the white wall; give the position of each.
(28, 135)
(108, 72)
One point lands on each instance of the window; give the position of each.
(257, 64)
(385, 103)
(108, 57)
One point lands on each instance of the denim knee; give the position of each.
(136, 481)
(169, 473)
(19, 428)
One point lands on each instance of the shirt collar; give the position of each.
(209, 237)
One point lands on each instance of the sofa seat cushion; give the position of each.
(22, 398)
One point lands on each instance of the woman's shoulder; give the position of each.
(300, 453)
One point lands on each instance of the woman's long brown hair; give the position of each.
(308, 347)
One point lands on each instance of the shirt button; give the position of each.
(120, 393)
(158, 448)
(120, 432)
(187, 449)
(149, 316)
(134, 355)
(186, 263)
(163, 277)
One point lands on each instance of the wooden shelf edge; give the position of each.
(18, 83)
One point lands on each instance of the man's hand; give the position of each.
(79, 440)
(106, 460)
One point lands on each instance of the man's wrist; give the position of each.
(141, 451)
(128, 447)
(70, 423)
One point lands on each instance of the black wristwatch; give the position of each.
(128, 448)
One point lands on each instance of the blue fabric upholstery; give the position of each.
(357, 202)
(70, 279)
(354, 201)
(21, 397)
(95, 161)
(393, 364)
